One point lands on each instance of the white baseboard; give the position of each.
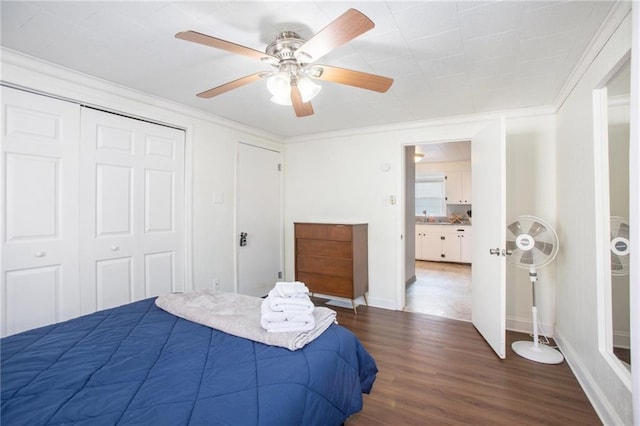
(589, 384)
(621, 339)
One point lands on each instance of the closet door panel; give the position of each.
(159, 201)
(39, 233)
(114, 207)
(114, 282)
(132, 204)
(32, 298)
(31, 197)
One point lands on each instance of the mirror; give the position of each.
(618, 115)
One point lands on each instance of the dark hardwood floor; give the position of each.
(438, 371)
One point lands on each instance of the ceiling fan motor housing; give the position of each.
(285, 46)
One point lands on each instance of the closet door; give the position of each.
(39, 232)
(132, 210)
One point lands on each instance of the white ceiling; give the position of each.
(445, 151)
(447, 57)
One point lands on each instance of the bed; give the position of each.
(137, 364)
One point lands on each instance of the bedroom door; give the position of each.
(488, 275)
(132, 210)
(39, 232)
(259, 219)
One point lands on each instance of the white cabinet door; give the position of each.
(453, 187)
(466, 245)
(419, 234)
(432, 246)
(466, 187)
(40, 139)
(450, 246)
(132, 204)
(458, 187)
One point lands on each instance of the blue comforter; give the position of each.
(137, 364)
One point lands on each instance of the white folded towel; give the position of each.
(239, 315)
(291, 289)
(290, 304)
(274, 321)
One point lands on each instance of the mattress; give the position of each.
(137, 364)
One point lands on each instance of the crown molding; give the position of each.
(616, 16)
(423, 124)
(25, 72)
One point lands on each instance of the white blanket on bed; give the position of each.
(239, 315)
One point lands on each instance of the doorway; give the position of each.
(441, 214)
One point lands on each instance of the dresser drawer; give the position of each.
(334, 286)
(324, 248)
(325, 266)
(319, 231)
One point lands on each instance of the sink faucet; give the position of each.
(424, 212)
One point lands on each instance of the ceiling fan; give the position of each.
(292, 56)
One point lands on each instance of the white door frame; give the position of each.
(453, 132)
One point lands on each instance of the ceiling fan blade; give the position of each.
(231, 85)
(344, 28)
(218, 43)
(511, 245)
(360, 79)
(302, 109)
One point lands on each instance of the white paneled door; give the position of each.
(39, 168)
(132, 204)
(488, 292)
(259, 219)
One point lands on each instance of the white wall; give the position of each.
(578, 203)
(210, 157)
(342, 180)
(531, 170)
(338, 177)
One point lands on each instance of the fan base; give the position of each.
(542, 354)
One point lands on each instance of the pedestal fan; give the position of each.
(619, 246)
(532, 243)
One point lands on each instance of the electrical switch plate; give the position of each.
(218, 197)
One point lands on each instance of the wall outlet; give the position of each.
(216, 284)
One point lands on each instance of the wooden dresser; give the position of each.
(332, 259)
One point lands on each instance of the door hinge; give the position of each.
(279, 167)
(280, 275)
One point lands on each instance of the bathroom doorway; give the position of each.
(442, 217)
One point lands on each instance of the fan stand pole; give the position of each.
(535, 351)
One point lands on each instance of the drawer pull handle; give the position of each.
(40, 254)
(115, 248)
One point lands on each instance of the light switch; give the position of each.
(218, 197)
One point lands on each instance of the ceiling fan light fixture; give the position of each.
(283, 99)
(279, 84)
(308, 89)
